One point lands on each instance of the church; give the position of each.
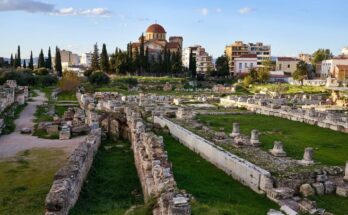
(155, 40)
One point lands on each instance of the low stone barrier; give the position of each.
(154, 169)
(69, 180)
(245, 172)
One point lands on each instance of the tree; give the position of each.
(12, 61)
(69, 82)
(58, 63)
(31, 61)
(320, 55)
(104, 59)
(192, 65)
(222, 67)
(247, 81)
(41, 61)
(95, 58)
(99, 78)
(263, 75)
(49, 59)
(18, 59)
(24, 64)
(301, 71)
(142, 54)
(253, 74)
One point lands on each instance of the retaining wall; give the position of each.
(69, 180)
(245, 172)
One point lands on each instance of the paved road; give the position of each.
(15, 142)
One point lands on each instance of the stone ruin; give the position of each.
(278, 150)
(154, 169)
(69, 180)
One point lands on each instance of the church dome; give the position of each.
(155, 28)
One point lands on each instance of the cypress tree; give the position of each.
(19, 60)
(15, 62)
(24, 64)
(147, 61)
(192, 65)
(142, 54)
(104, 59)
(95, 58)
(49, 59)
(31, 61)
(41, 61)
(11, 61)
(58, 63)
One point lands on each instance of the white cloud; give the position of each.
(66, 11)
(204, 11)
(245, 10)
(218, 10)
(96, 12)
(31, 6)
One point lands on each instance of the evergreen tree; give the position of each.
(147, 60)
(192, 65)
(58, 63)
(142, 54)
(104, 59)
(95, 58)
(41, 61)
(49, 59)
(24, 64)
(11, 61)
(15, 62)
(18, 61)
(31, 61)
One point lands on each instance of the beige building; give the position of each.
(341, 73)
(204, 62)
(238, 48)
(287, 64)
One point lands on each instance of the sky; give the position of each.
(289, 26)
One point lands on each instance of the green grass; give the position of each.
(26, 179)
(67, 96)
(60, 110)
(330, 147)
(10, 118)
(287, 88)
(215, 192)
(48, 91)
(332, 203)
(41, 114)
(145, 79)
(112, 185)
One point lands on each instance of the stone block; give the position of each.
(330, 187)
(287, 210)
(307, 190)
(342, 190)
(52, 129)
(319, 188)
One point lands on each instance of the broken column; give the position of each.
(307, 156)
(235, 130)
(278, 149)
(254, 140)
(346, 173)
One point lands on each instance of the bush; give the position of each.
(247, 81)
(69, 82)
(99, 78)
(41, 71)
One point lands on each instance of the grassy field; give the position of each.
(26, 179)
(113, 185)
(332, 203)
(215, 192)
(330, 147)
(67, 96)
(287, 88)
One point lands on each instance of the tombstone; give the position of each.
(346, 173)
(278, 149)
(307, 156)
(254, 140)
(235, 130)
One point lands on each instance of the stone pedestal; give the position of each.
(342, 190)
(254, 140)
(235, 130)
(278, 149)
(346, 173)
(307, 156)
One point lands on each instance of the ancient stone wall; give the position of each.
(247, 173)
(154, 169)
(69, 180)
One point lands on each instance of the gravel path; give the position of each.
(15, 142)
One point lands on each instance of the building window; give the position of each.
(289, 66)
(280, 66)
(251, 65)
(240, 65)
(245, 65)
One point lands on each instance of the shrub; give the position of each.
(99, 78)
(41, 71)
(69, 82)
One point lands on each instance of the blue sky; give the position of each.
(290, 26)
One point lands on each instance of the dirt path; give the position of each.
(15, 142)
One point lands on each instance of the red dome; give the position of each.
(155, 28)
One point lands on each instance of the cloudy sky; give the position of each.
(290, 26)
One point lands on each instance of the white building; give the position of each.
(328, 66)
(69, 59)
(244, 63)
(345, 51)
(86, 59)
(204, 62)
(262, 51)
